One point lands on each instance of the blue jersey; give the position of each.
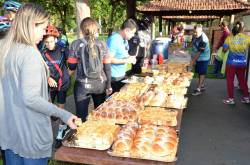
(118, 48)
(237, 46)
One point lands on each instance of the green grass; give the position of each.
(70, 91)
(71, 37)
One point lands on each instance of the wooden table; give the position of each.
(95, 157)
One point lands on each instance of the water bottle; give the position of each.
(145, 65)
(154, 63)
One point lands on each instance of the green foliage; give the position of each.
(111, 13)
(61, 11)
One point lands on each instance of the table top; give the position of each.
(95, 157)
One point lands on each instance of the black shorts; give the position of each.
(201, 67)
(60, 95)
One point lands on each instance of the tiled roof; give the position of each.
(170, 5)
(198, 17)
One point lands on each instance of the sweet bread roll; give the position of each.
(148, 97)
(159, 99)
(141, 149)
(122, 145)
(96, 135)
(162, 149)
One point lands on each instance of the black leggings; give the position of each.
(117, 85)
(82, 105)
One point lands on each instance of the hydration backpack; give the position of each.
(92, 66)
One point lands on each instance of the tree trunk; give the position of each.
(82, 11)
(131, 8)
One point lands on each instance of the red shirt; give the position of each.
(226, 33)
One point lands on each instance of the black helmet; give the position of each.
(148, 19)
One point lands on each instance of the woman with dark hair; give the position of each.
(237, 44)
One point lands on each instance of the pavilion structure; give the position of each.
(193, 10)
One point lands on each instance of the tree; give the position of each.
(113, 12)
(62, 12)
(82, 11)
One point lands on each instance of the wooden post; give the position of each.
(153, 31)
(82, 11)
(160, 26)
(169, 27)
(166, 27)
(131, 8)
(221, 19)
(232, 21)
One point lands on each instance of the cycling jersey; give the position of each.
(56, 61)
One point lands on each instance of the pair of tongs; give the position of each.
(71, 132)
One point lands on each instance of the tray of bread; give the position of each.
(160, 98)
(158, 116)
(177, 79)
(133, 80)
(117, 111)
(131, 92)
(171, 79)
(97, 135)
(146, 142)
(172, 90)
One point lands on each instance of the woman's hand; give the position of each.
(52, 83)
(109, 91)
(71, 122)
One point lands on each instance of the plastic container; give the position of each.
(160, 46)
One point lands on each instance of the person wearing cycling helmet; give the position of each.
(4, 26)
(11, 7)
(55, 57)
(62, 39)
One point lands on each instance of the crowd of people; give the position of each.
(36, 64)
(231, 52)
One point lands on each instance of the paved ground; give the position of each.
(212, 133)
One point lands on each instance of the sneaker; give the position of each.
(229, 101)
(203, 88)
(196, 92)
(61, 132)
(245, 100)
(58, 143)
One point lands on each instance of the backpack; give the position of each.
(92, 67)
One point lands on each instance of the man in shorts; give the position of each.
(200, 57)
